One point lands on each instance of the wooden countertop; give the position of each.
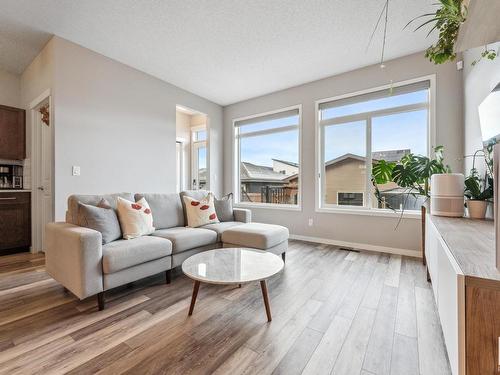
(472, 243)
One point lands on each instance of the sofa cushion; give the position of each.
(136, 219)
(256, 235)
(224, 208)
(220, 228)
(73, 200)
(166, 208)
(185, 238)
(200, 212)
(195, 194)
(101, 218)
(121, 254)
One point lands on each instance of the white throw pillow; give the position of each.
(135, 218)
(200, 212)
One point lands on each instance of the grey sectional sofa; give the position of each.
(76, 258)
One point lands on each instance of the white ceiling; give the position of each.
(223, 50)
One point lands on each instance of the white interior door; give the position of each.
(42, 184)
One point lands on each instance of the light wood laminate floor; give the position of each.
(334, 312)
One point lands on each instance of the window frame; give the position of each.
(320, 206)
(236, 161)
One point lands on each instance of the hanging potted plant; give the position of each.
(446, 20)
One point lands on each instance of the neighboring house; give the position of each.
(344, 183)
(202, 175)
(265, 184)
(285, 167)
(345, 179)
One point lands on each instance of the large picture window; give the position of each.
(355, 132)
(267, 155)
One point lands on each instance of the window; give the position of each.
(355, 132)
(267, 168)
(199, 158)
(350, 199)
(199, 135)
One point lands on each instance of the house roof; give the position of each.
(257, 173)
(389, 155)
(290, 163)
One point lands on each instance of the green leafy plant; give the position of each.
(412, 172)
(488, 53)
(477, 187)
(447, 20)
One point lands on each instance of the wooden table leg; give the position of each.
(193, 297)
(263, 286)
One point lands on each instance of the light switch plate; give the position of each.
(76, 170)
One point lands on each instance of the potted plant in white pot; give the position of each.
(479, 191)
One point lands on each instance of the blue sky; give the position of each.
(399, 131)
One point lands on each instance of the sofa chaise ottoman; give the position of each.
(269, 237)
(77, 258)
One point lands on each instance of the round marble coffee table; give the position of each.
(232, 266)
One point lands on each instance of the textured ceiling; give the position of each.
(224, 50)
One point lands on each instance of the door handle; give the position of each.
(41, 188)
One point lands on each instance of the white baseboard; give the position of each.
(358, 246)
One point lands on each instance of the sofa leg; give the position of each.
(168, 276)
(283, 256)
(100, 301)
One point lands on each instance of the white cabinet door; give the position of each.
(450, 291)
(431, 250)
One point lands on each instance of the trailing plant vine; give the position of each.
(488, 53)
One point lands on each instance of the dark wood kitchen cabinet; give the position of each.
(12, 133)
(15, 222)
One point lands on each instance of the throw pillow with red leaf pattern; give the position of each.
(135, 218)
(200, 212)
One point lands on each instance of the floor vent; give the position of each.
(349, 249)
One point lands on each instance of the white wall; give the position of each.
(375, 231)
(36, 79)
(115, 122)
(10, 89)
(118, 125)
(479, 80)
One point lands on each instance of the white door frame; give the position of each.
(182, 172)
(36, 235)
(191, 145)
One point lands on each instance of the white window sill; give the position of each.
(409, 214)
(284, 207)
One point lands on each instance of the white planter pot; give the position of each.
(477, 209)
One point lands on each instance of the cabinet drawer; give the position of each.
(13, 198)
(15, 221)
